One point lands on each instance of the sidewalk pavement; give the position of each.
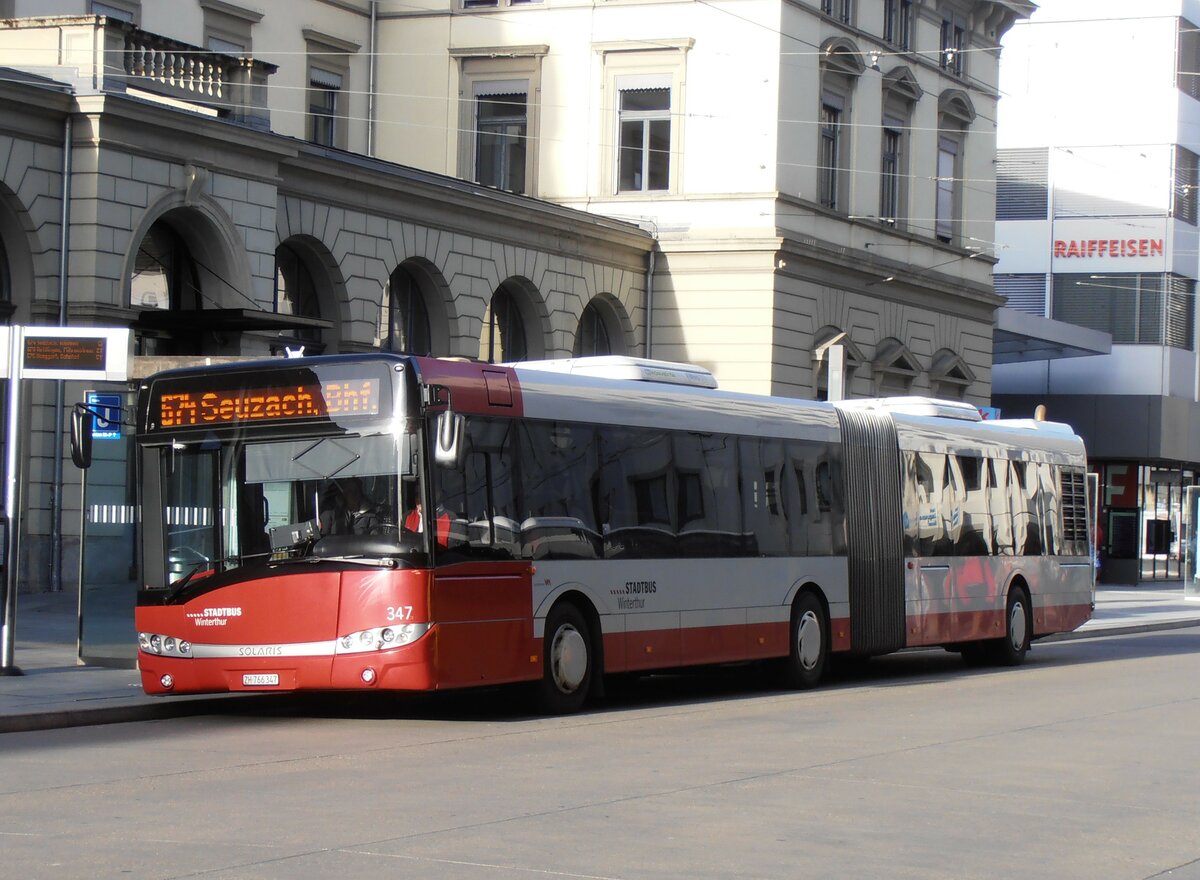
(55, 691)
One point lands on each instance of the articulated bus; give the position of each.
(417, 524)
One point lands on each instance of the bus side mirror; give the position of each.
(81, 436)
(447, 441)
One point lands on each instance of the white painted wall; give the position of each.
(1095, 82)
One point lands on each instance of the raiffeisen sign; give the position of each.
(1114, 244)
(1115, 248)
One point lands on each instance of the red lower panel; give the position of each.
(1060, 618)
(964, 626)
(485, 652)
(403, 669)
(664, 649)
(219, 676)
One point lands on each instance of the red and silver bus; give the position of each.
(417, 524)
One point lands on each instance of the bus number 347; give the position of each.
(399, 612)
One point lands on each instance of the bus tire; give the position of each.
(567, 661)
(1018, 626)
(809, 644)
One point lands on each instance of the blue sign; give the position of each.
(107, 414)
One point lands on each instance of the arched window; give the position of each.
(955, 115)
(503, 337)
(165, 279)
(841, 66)
(164, 273)
(949, 375)
(296, 294)
(900, 95)
(895, 368)
(404, 318)
(592, 338)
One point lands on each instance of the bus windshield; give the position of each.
(232, 504)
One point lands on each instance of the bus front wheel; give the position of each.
(809, 643)
(566, 661)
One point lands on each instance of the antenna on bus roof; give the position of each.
(629, 368)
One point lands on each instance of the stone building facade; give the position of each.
(212, 237)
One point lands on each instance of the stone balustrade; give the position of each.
(111, 55)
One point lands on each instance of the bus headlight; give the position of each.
(380, 638)
(164, 646)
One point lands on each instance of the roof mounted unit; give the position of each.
(629, 368)
(919, 406)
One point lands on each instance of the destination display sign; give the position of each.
(265, 397)
(327, 399)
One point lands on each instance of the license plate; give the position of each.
(260, 679)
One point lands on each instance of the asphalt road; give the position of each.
(1083, 763)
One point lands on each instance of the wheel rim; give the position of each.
(808, 640)
(1016, 625)
(568, 658)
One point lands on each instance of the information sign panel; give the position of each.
(106, 410)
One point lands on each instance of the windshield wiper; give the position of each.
(180, 585)
(381, 561)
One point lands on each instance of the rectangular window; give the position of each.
(1187, 76)
(1148, 309)
(889, 180)
(323, 98)
(952, 44)
(644, 152)
(827, 169)
(501, 126)
(125, 11)
(1184, 196)
(842, 10)
(947, 189)
(225, 47)
(897, 22)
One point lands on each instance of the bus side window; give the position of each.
(476, 510)
(1027, 516)
(820, 527)
(558, 471)
(797, 488)
(1051, 511)
(915, 500)
(766, 499)
(934, 527)
(1000, 508)
(635, 490)
(708, 499)
(975, 534)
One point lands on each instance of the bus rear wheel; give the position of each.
(809, 649)
(566, 661)
(1011, 650)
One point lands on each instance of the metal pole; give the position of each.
(64, 265)
(12, 501)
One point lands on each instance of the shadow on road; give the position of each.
(689, 687)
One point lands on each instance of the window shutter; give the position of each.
(1023, 292)
(1021, 184)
